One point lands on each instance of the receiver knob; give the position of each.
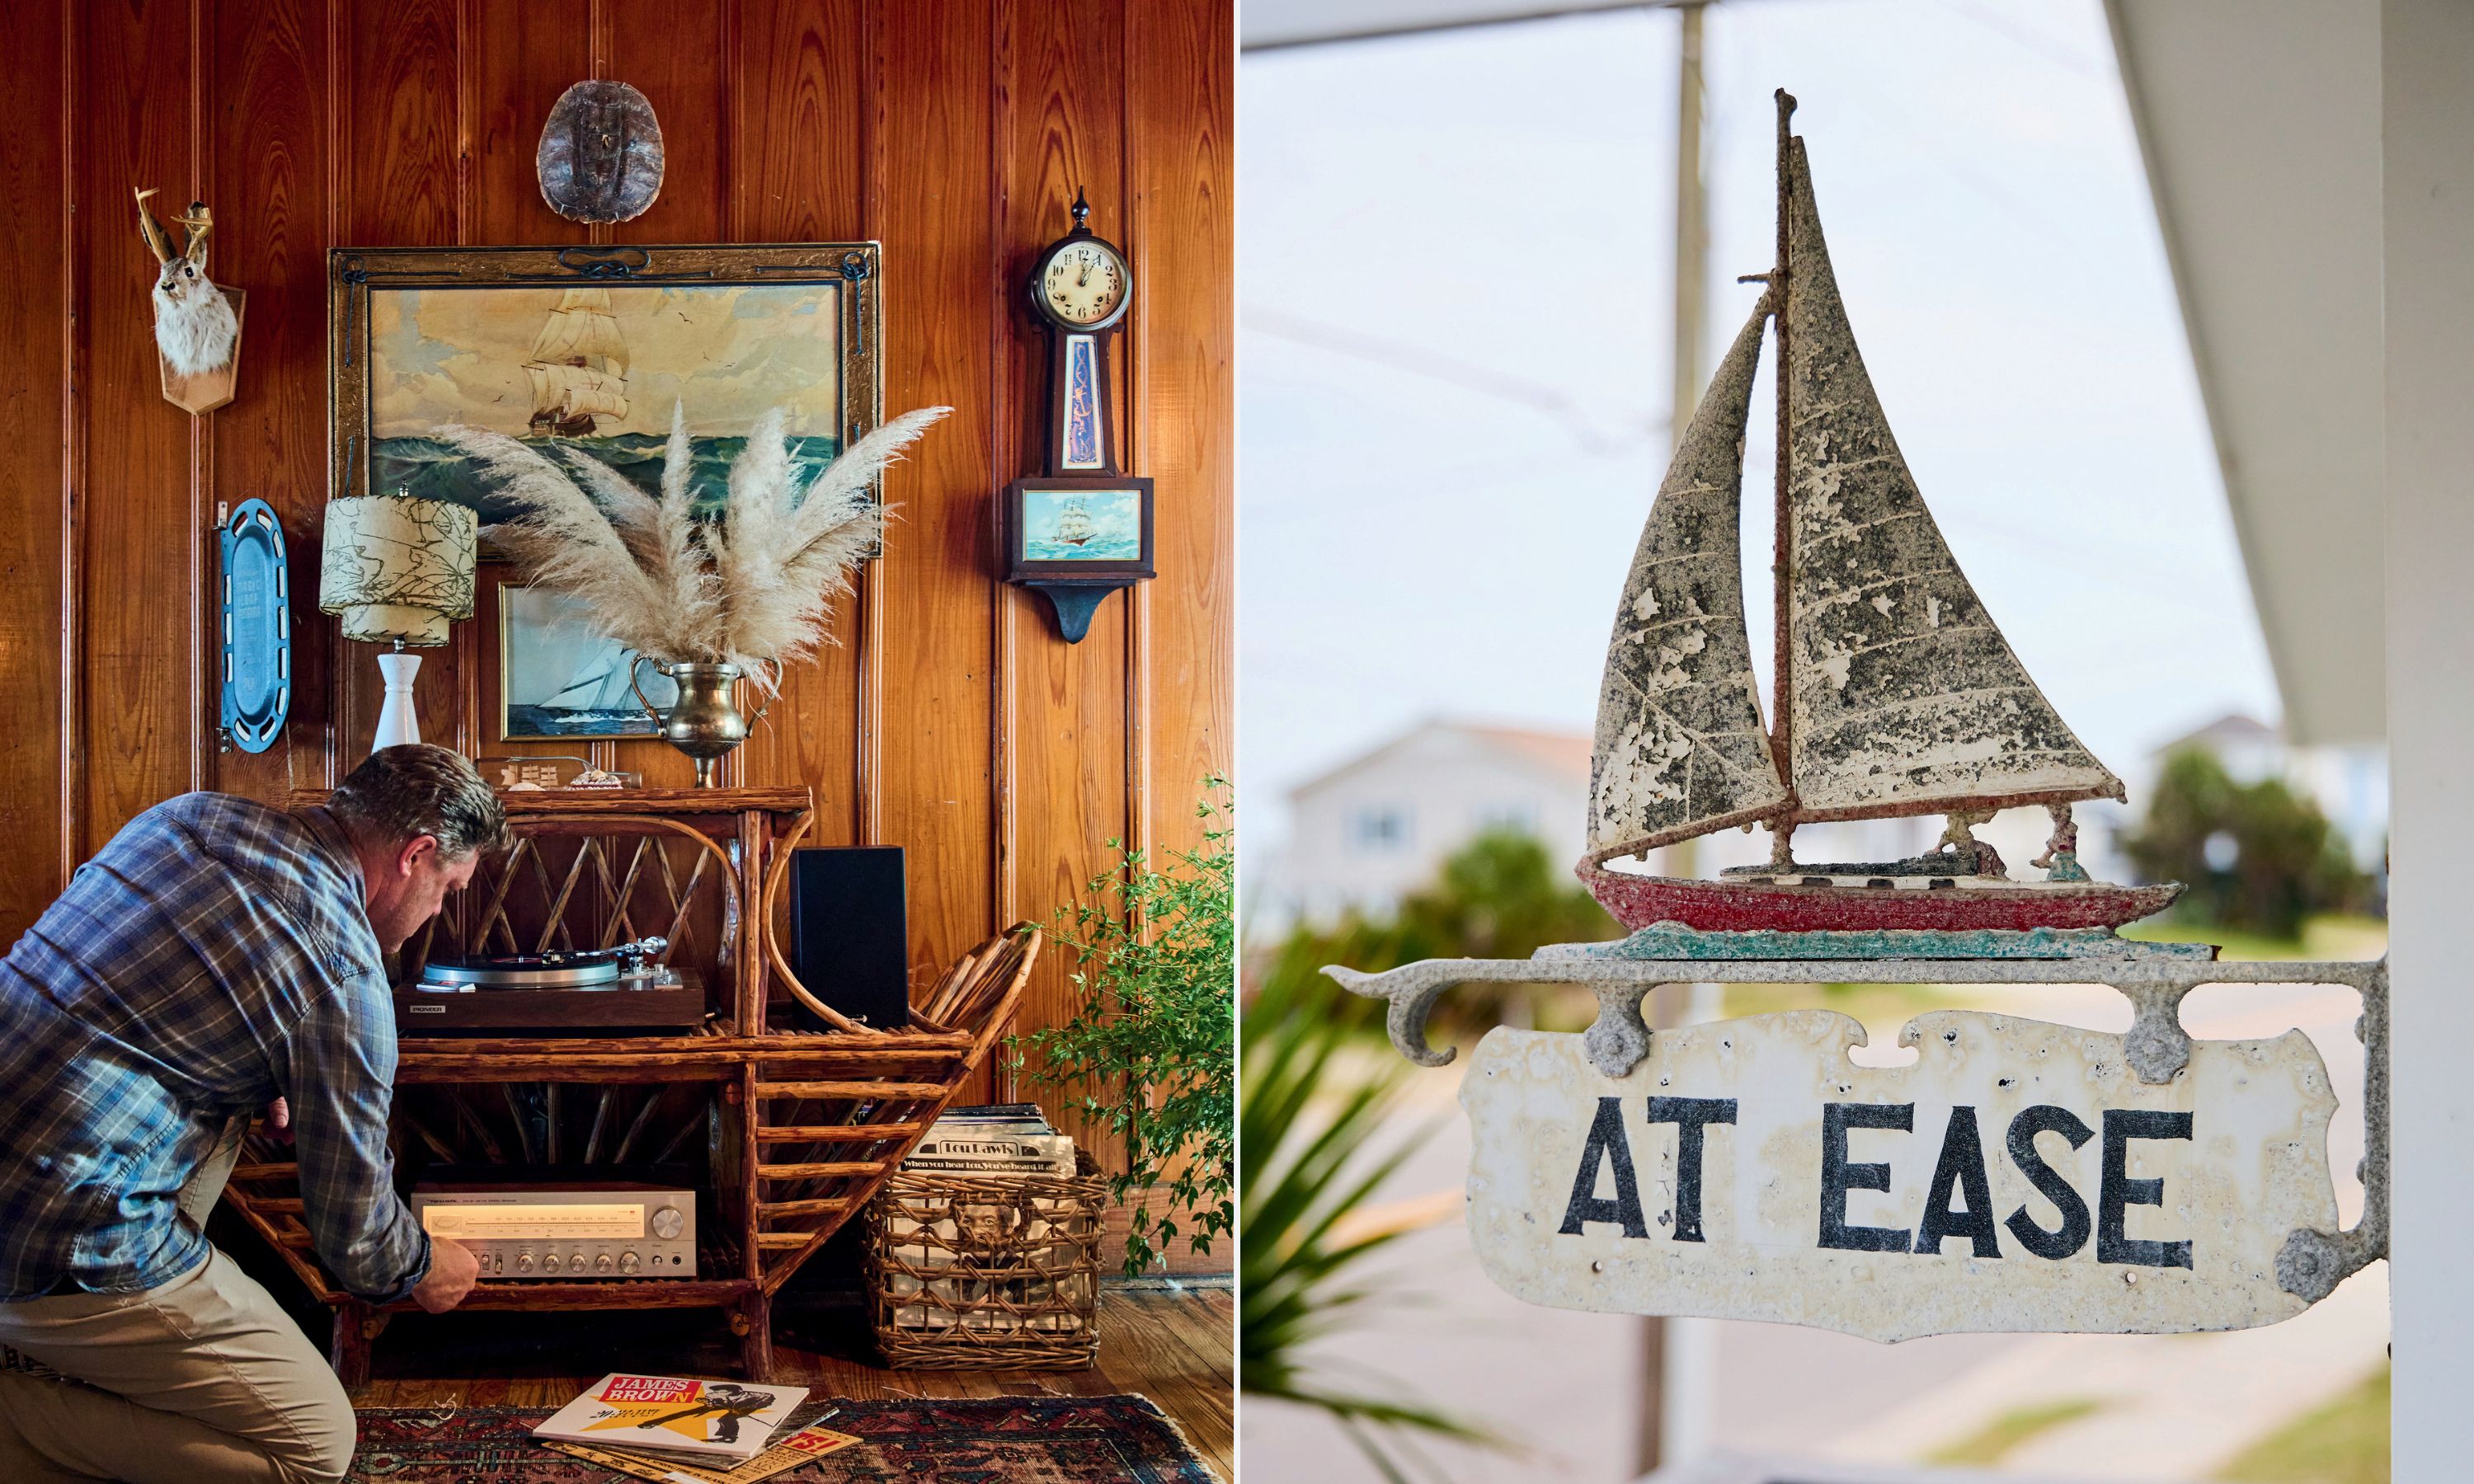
(550, 1263)
(627, 1262)
(575, 1262)
(602, 1263)
(524, 1262)
(668, 1222)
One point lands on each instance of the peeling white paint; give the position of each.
(1646, 769)
(2254, 1170)
(1671, 673)
(1834, 668)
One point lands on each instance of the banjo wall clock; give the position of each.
(1084, 529)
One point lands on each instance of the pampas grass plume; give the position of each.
(752, 591)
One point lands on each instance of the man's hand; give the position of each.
(278, 1121)
(452, 1272)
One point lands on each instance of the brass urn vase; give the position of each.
(704, 721)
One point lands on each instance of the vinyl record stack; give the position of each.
(983, 1250)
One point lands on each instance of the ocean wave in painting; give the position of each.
(529, 722)
(1121, 547)
(430, 470)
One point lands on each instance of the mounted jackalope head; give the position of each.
(194, 324)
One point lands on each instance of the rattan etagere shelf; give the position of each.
(790, 1132)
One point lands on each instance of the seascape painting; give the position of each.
(1081, 525)
(559, 677)
(598, 367)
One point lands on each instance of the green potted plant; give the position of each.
(1152, 1044)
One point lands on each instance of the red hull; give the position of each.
(1734, 908)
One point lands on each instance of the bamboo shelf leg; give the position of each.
(751, 1319)
(355, 1327)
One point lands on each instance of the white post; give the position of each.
(1680, 1355)
(2427, 155)
(1691, 223)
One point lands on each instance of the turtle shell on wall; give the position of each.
(601, 156)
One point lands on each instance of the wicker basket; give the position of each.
(995, 1272)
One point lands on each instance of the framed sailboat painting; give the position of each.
(560, 676)
(1078, 529)
(588, 348)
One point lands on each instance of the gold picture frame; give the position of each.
(591, 347)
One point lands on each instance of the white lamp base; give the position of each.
(397, 723)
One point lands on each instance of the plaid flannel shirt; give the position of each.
(214, 956)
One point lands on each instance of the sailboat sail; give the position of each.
(576, 391)
(584, 330)
(1905, 698)
(1680, 747)
(579, 364)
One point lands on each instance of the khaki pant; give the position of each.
(200, 1380)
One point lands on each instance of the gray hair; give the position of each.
(398, 794)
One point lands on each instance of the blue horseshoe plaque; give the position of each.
(257, 628)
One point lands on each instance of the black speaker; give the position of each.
(850, 934)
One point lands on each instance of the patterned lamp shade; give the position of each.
(396, 568)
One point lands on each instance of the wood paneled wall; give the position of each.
(951, 720)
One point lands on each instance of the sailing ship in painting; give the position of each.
(563, 678)
(1893, 694)
(596, 368)
(1093, 525)
(1074, 525)
(578, 367)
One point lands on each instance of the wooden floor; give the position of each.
(1175, 1345)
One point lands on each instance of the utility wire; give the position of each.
(1541, 397)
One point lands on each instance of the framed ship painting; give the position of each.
(589, 349)
(559, 677)
(1076, 527)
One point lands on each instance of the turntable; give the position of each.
(620, 987)
(574, 969)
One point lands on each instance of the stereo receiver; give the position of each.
(604, 1230)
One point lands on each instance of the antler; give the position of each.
(152, 230)
(196, 221)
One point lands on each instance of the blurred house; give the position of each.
(1380, 825)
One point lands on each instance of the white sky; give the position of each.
(1455, 280)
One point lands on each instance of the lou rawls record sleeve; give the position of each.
(669, 1414)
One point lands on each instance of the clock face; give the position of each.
(1084, 284)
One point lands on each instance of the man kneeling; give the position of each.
(217, 958)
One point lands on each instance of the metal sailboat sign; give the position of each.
(2011, 1175)
(1893, 693)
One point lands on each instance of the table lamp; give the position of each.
(398, 570)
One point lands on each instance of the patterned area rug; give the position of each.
(1012, 1439)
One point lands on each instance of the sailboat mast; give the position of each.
(1781, 588)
